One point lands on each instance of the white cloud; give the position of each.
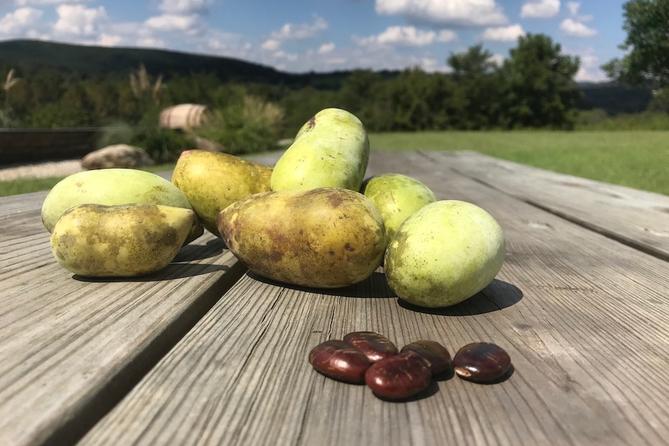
(79, 20)
(407, 36)
(184, 6)
(540, 9)
(446, 35)
(445, 12)
(19, 20)
(504, 33)
(590, 70)
(326, 48)
(432, 65)
(46, 2)
(574, 7)
(300, 31)
(150, 42)
(498, 59)
(335, 61)
(224, 42)
(271, 45)
(293, 31)
(576, 28)
(173, 22)
(109, 39)
(290, 57)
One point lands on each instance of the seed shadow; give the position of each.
(201, 251)
(445, 376)
(496, 296)
(170, 272)
(375, 286)
(431, 390)
(501, 379)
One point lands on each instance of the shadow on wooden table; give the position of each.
(496, 296)
(170, 272)
(375, 286)
(201, 251)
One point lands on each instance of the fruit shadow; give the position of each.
(201, 251)
(170, 272)
(375, 286)
(496, 296)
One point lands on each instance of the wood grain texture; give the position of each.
(584, 318)
(15, 204)
(634, 217)
(70, 349)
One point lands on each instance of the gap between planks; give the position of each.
(70, 350)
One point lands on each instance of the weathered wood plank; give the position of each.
(634, 217)
(15, 204)
(70, 349)
(584, 318)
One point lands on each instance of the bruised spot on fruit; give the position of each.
(348, 247)
(275, 255)
(335, 199)
(67, 240)
(312, 122)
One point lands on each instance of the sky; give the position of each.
(326, 35)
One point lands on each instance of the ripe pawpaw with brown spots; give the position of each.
(323, 237)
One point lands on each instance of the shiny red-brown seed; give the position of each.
(437, 356)
(340, 361)
(482, 362)
(375, 346)
(399, 377)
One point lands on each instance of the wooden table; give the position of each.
(204, 353)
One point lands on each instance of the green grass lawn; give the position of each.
(638, 159)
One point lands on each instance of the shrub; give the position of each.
(163, 145)
(249, 126)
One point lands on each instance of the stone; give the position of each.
(118, 155)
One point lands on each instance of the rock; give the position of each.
(119, 155)
(207, 144)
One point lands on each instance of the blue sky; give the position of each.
(326, 35)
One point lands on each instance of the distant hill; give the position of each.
(91, 61)
(614, 98)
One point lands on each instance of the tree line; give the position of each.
(533, 87)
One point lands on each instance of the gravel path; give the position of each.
(41, 170)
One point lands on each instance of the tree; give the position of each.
(539, 83)
(647, 45)
(478, 88)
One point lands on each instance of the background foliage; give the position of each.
(534, 87)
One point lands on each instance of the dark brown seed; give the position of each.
(375, 346)
(340, 361)
(399, 377)
(482, 362)
(437, 357)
